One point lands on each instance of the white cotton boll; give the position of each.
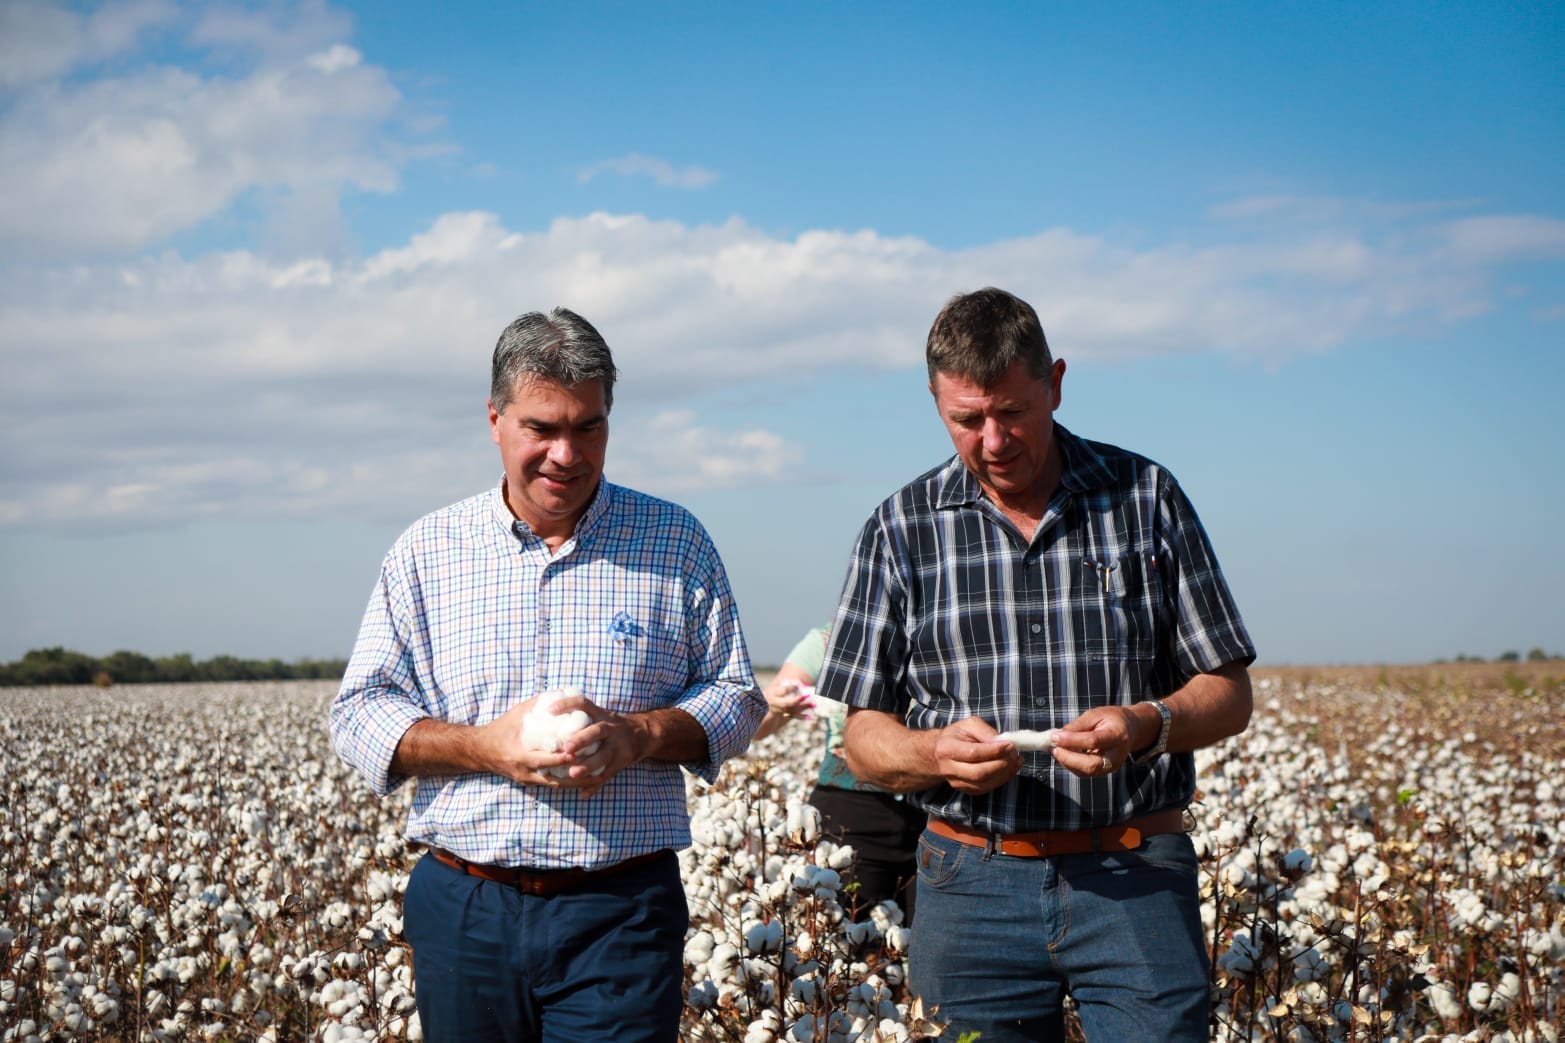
(859, 933)
(824, 882)
(892, 1031)
(1310, 966)
(804, 823)
(542, 729)
(1478, 995)
(1548, 945)
(1241, 957)
(764, 937)
(1238, 877)
(764, 1029)
(803, 1030)
(698, 949)
(1314, 994)
(723, 956)
(1442, 997)
(1230, 833)
(840, 858)
(805, 991)
(1507, 992)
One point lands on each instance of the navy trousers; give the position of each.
(601, 962)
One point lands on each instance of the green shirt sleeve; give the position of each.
(809, 653)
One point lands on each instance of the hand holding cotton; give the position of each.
(543, 729)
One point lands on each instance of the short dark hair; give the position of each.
(561, 346)
(979, 335)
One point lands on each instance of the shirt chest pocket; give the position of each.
(637, 663)
(1117, 607)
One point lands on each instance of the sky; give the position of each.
(1308, 257)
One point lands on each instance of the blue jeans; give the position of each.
(493, 964)
(1001, 941)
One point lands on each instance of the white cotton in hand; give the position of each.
(1027, 741)
(543, 729)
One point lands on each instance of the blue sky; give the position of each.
(1309, 257)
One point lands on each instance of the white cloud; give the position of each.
(335, 59)
(661, 172)
(117, 164)
(165, 388)
(40, 40)
(673, 453)
(1500, 238)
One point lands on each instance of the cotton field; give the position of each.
(1383, 859)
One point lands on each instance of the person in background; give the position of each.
(549, 904)
(882, 828)
(1038, 582)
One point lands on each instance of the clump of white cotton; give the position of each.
(1028, 741)
(543, 729)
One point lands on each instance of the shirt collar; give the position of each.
(1082, 470)
(596, 510)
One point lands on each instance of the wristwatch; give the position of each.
(1156, 749)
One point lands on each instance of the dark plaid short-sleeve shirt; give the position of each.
(948, 612)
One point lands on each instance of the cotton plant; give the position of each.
(772, 954)
(1374, 865)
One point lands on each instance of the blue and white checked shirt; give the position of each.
(472, 615)
(947, 613)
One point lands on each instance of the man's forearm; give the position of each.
(884, 752)
(432, 747)
(670, 735)
(1208, 709)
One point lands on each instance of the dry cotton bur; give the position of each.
(1381, 860)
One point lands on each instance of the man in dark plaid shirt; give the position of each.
(1041, 583)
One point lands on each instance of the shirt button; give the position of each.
(1036, 627)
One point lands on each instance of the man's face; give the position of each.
(552, 440)
(1005, 433)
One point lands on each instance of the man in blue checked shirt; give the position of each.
(1033, 637)
(549, 904)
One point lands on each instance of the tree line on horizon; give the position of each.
(52, 666)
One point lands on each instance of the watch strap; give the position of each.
(1157, 748)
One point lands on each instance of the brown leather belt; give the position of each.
(542, 882)
(1122, 836)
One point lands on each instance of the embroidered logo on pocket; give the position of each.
(622, 628)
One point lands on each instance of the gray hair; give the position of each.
(561, 346)
(978, 335)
